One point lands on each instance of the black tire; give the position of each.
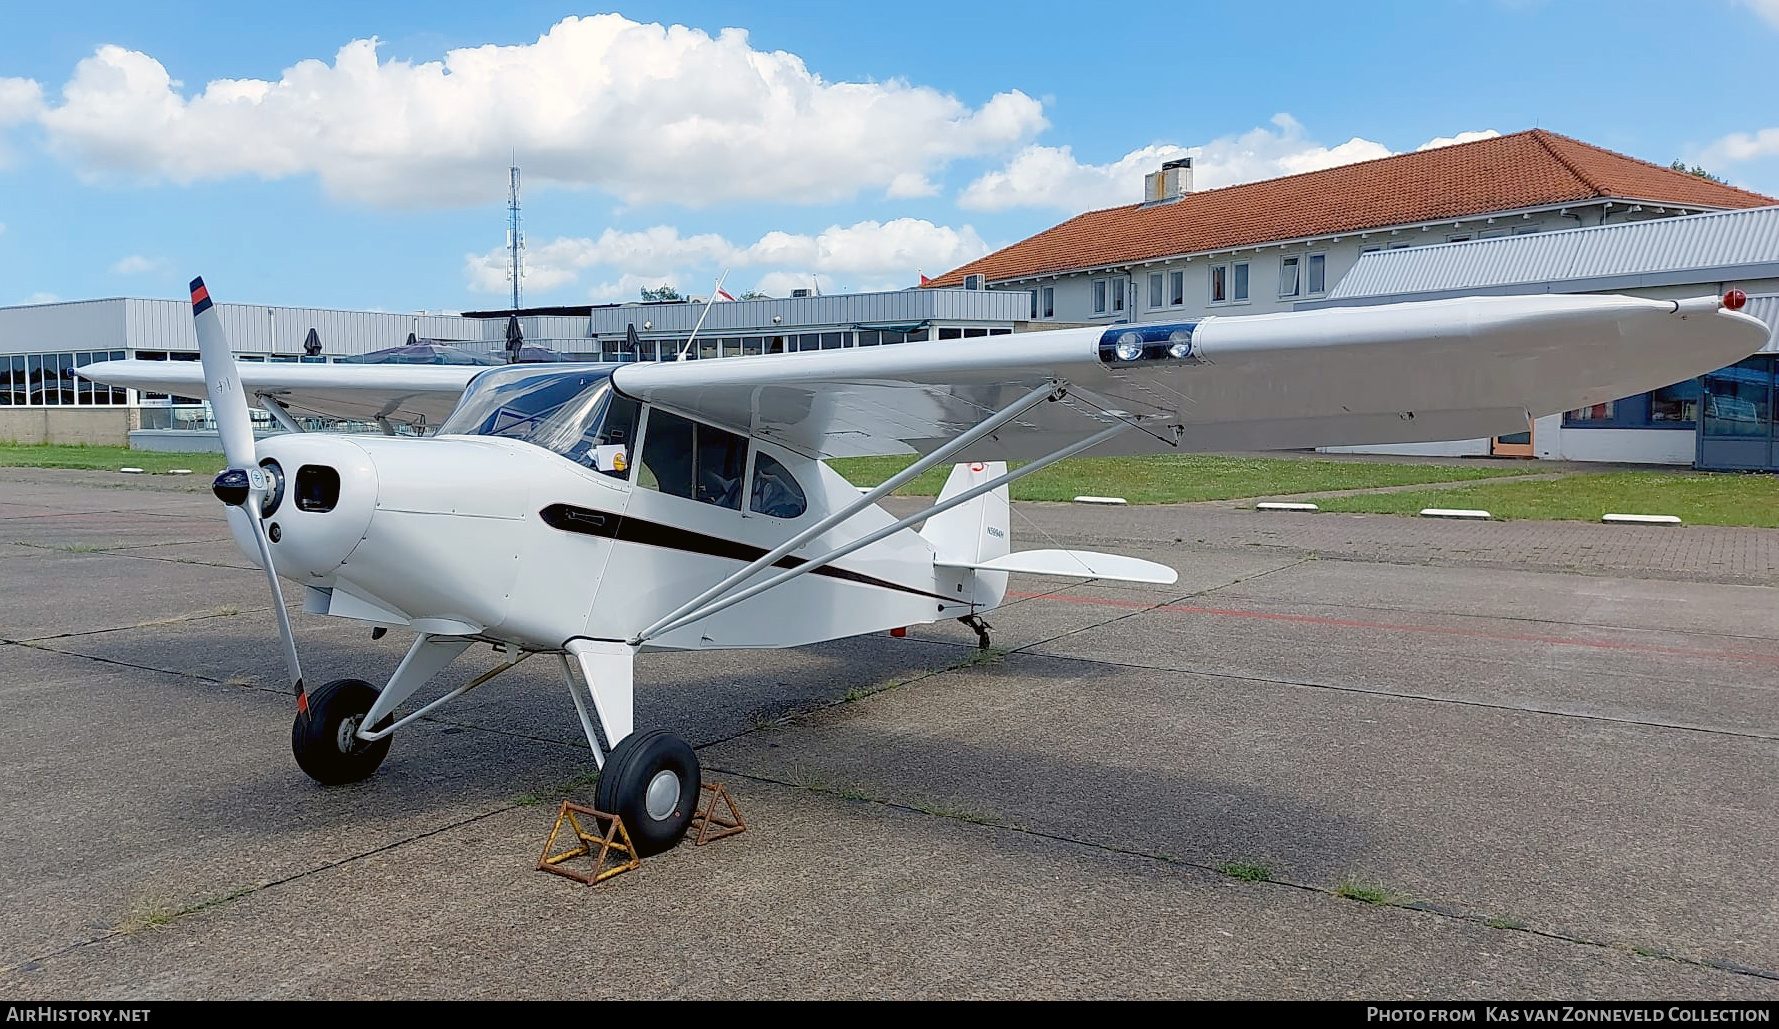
(635, 764)
(323, 742)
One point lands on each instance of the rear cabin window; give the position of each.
(775, 493)
(682, 458)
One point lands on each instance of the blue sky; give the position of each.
(277, 152)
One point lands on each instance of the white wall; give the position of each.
(1074, 291)
(1636, 446)
(1448, 448)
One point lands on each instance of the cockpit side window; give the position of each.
(776, 493)
(614, 425)
(683, 458)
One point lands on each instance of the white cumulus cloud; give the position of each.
(1463, 137)
(869, 254)
(1738, 147)
(1768, 10)
(21, 101)
(646, 112)
(1042, 176)
(136, 264)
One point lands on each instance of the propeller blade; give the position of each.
(228, 401)
(291, 663)
(244, 485)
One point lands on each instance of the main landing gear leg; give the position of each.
(328, 737)
(651, 779)
(980, 627)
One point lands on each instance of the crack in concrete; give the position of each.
(31, 964)
(1416, 906)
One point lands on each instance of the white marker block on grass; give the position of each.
(1630, 519)
(1454, 512)
(131, 471)
(1115, 501)
(179, 471)
(1279, 505)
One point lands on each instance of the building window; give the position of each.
(1116, 288)
(1289, 282)
(1229, 283)
(1315, 267)
(1099, 296)
(1176, 288)
(1671, 407)
(49, 380)
(1048, 305)
(1155, 290)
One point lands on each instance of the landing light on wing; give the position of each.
(1127, 344)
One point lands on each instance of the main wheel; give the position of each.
(651, 781)
(326, 744)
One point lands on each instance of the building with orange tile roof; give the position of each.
(1266, 246)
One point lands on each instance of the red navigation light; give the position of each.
(1735, 300)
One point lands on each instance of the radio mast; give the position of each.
(515, 238)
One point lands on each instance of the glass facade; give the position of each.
(48, 380)
(1730, 411)
(1671, 407)
(1736, 417)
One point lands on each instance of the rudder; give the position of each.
(976, 531)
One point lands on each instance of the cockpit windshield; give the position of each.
(568, 411)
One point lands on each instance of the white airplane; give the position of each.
(597, 511)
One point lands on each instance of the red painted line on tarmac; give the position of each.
(1435, 630)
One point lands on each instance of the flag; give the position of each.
(723, 294)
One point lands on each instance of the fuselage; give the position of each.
(502, 538)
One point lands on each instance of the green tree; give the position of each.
(1681, 166)
(753, 294)
(665, 292)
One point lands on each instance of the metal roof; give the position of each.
(899, 307)
(1766, 308)
(1722, 246)
(127, 322)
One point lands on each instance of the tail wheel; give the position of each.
(326, 742)
(651, 781)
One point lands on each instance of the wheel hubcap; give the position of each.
(662, 796)
(346, 738)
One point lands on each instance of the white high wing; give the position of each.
(596, 511)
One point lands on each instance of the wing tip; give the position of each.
(200, 296)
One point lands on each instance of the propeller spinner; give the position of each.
(244, 484)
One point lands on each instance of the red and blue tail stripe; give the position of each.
(200, 297)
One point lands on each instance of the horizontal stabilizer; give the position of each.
(1077, 564)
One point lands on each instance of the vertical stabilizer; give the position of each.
(974, 532)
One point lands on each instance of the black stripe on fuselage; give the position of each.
(625, 529)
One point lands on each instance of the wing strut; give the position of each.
(279, 412)
(1049, 390)
(668, 625)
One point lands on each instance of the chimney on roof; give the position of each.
(1172, 182)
